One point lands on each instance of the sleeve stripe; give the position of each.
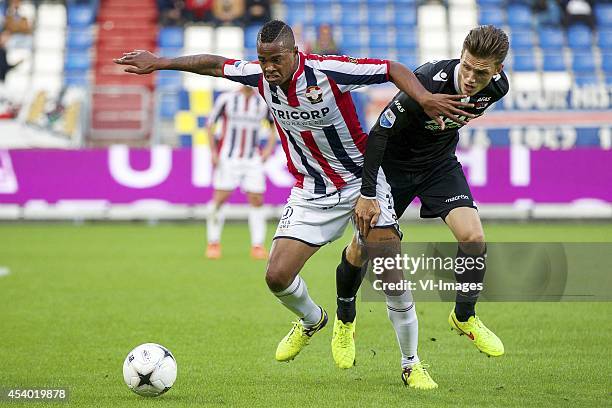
(345, 58)
(347, 79)
(250, 80)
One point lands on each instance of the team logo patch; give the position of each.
(314, 94)
(387, 119)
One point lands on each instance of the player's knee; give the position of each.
(256, 200)
(277, 277)
(472, 236)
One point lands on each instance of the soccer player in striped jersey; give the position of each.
(309, 96)
(238, 162)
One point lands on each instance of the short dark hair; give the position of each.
(276, 31)
(487, 41)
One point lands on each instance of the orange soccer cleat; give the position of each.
(259, 252)
(213, 251)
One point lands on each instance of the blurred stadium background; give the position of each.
(80, 139)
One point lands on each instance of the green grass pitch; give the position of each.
(78, 298)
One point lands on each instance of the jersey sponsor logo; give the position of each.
(303, 115)
(287, 213)
(482, 102)
(314, 94)
(399, 106)
(238, 63)
(441, 76)
(387, 119)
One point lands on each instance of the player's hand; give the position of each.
(437, 106)
(139, 62)
(214, 158)
(367, 212)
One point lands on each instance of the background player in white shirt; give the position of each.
(238, 162)
(309, 96)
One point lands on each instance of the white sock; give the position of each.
(214, 223)
(296, 299)
(402, 313)
(257, 225)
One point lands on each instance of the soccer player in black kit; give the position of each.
(418, 158)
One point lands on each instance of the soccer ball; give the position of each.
(149, 370)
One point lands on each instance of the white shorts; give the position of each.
(246, 174)
(318, 221)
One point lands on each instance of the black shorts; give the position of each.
(440, 188)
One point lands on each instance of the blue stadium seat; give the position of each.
(250, 36)
(169, 80)
(496, 3)
(379, 52)
(551, 38)
(579, 37)
(585, 80)
(170, 52)
(168, 105)
(491, 15)
(79, 39)
(80, 15)
(408, 59)
(521, 39)
(524, 62)
(604, 40)
(608, 80)
(77, 61)
(350, 15)
(380, 38)
(353, 51)
(606, 64)
(406, 40)
(554, 62)
(171, 37)
(405, 15)
(519, 16)
(378, 15)
(324, 18)
(603, 14)
(351, 37)
(321, 3)
(250, 54)
(323, 8)
(80, 79)
(291, 3)
(583, 62)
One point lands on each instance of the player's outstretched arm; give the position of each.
(434, 105)
(144, 62)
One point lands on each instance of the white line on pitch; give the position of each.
(4, 271)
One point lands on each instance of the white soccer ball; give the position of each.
(149, 370)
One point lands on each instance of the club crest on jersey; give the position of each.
(353, 60)
(387, 119)
(314, 94)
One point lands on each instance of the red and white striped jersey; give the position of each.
(316, 119)
(240, 128)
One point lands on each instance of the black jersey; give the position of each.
(406, 138)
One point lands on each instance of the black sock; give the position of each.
(348, 280)
(475, 268)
